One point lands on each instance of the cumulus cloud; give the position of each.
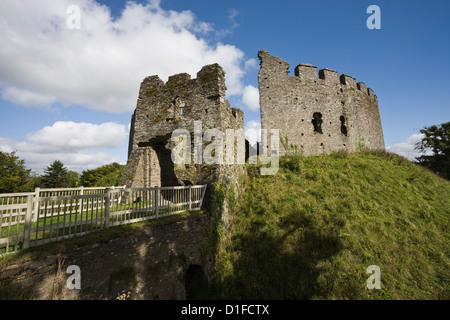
(101, 65)
(250, 97)
(68, 134)
(253, 131)
(78, 145)
(78, 161)
(26, 98)
(6, 144)
(251, 64)
(406, 148)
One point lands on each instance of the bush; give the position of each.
(253, 170)
(292, 163)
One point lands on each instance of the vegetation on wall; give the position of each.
(312, 230)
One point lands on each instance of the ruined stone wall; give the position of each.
(319, 112)
(179, 103)
(152, 262)
(164, 107)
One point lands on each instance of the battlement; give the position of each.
(320, 111)
(179, 78)
(308, 72)
(329, 76)
(162, 108)
(348, 80)
(211, 80)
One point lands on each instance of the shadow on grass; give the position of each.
(281, 266)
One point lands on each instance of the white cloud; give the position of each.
(68, 134)
(253, 131)
(102, 64)
(25, 97)
(250, 97)
(78, 145)
(251, 64)
(6, 145)
(77, 161)
(406, 149)
(232, 14)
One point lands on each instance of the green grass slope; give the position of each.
(312, 230)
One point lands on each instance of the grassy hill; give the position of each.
(312, 230)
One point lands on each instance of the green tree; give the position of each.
(55, 176)
(437, 139)
(104, 176)
(14, 177)
(73, 179)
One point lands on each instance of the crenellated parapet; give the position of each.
(319, 110)
(308, 72)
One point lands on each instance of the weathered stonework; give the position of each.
(151, 262)
(164, 107)
(319, 112)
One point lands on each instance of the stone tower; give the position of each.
(163, 108)
(319, 112)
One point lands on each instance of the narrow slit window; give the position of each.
(343, 126)
(178, 104)
(317, 122)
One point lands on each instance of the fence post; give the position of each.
(113, 203)
(156, 201)
(80, 202)
(107, 201)
(190, 197)
(37, 192)
(27, 224)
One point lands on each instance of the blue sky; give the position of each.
(68, 94)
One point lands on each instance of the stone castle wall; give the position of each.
(150, 262)
(164, 107)
(319, 112)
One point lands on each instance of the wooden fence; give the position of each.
(47, 215)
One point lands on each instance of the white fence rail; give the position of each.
(67, 192)
(48, 215)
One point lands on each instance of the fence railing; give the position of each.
(48, 215)
(67, 192)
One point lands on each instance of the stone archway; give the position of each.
(158, 167)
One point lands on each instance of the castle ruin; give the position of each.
(163, 108)
(319, 112)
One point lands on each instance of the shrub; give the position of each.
(291, 162)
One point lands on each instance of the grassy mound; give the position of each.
(312, 230)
